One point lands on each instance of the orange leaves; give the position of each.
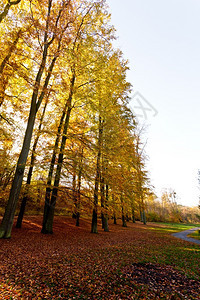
(72, 263)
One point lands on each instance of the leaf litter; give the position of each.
(125, 263)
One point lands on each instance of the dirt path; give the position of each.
(184, 235)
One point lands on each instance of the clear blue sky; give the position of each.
(161, 40)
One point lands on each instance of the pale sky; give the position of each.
(161, 40)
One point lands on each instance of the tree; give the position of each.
(84, 28)
(86, 145)
(51, 26)
(49, 208)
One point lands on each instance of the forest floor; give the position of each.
(137, 262)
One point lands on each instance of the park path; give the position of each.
(184, 235)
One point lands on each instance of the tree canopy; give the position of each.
(69, 141)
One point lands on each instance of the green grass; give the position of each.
(184, 258)
(174, 227)
(195, 235)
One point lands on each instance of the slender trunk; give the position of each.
(3, 86)
(114, 214)
(30, 172)
(52, 164)
(78, 196)
(97, 179)
(133, 215)
(141, 216)
(142, 210)
(106, 228)
(102, 189)
(115, 219)
(50, 206)
(78, 219)
(123, 215)
(8, 218)
(123, 219)
(7, 179)
(144, 218)
(48, 222)
(22, 210)
(74, 194)
(96, 188)
(79, 190)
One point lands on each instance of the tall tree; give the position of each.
(52, 34)
(84, 42)
(49, 208)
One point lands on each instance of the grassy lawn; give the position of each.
(177, 253)
(173, 227)
(138, 262)
(195, 235)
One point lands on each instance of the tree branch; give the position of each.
(6, 9)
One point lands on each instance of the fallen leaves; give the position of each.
(163, 279)
(126, 263)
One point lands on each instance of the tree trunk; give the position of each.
(133, 215)
(79, 191)
(102, 220)
(22, 210)
(106, 228)
(74, 193)
(144, 217)
(102, 188)
(49, 216)
(115, 220)
(114, 212)
(97, 180)
(50, 206)
(7, 179)
(8, 218)
(141, 217)
(30, 172)
(123, 219)
(3, 86)
(78, 219)
(94, 221)
(52, 164)
(123, 215)
(96, 188)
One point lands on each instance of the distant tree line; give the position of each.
(167, 209)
